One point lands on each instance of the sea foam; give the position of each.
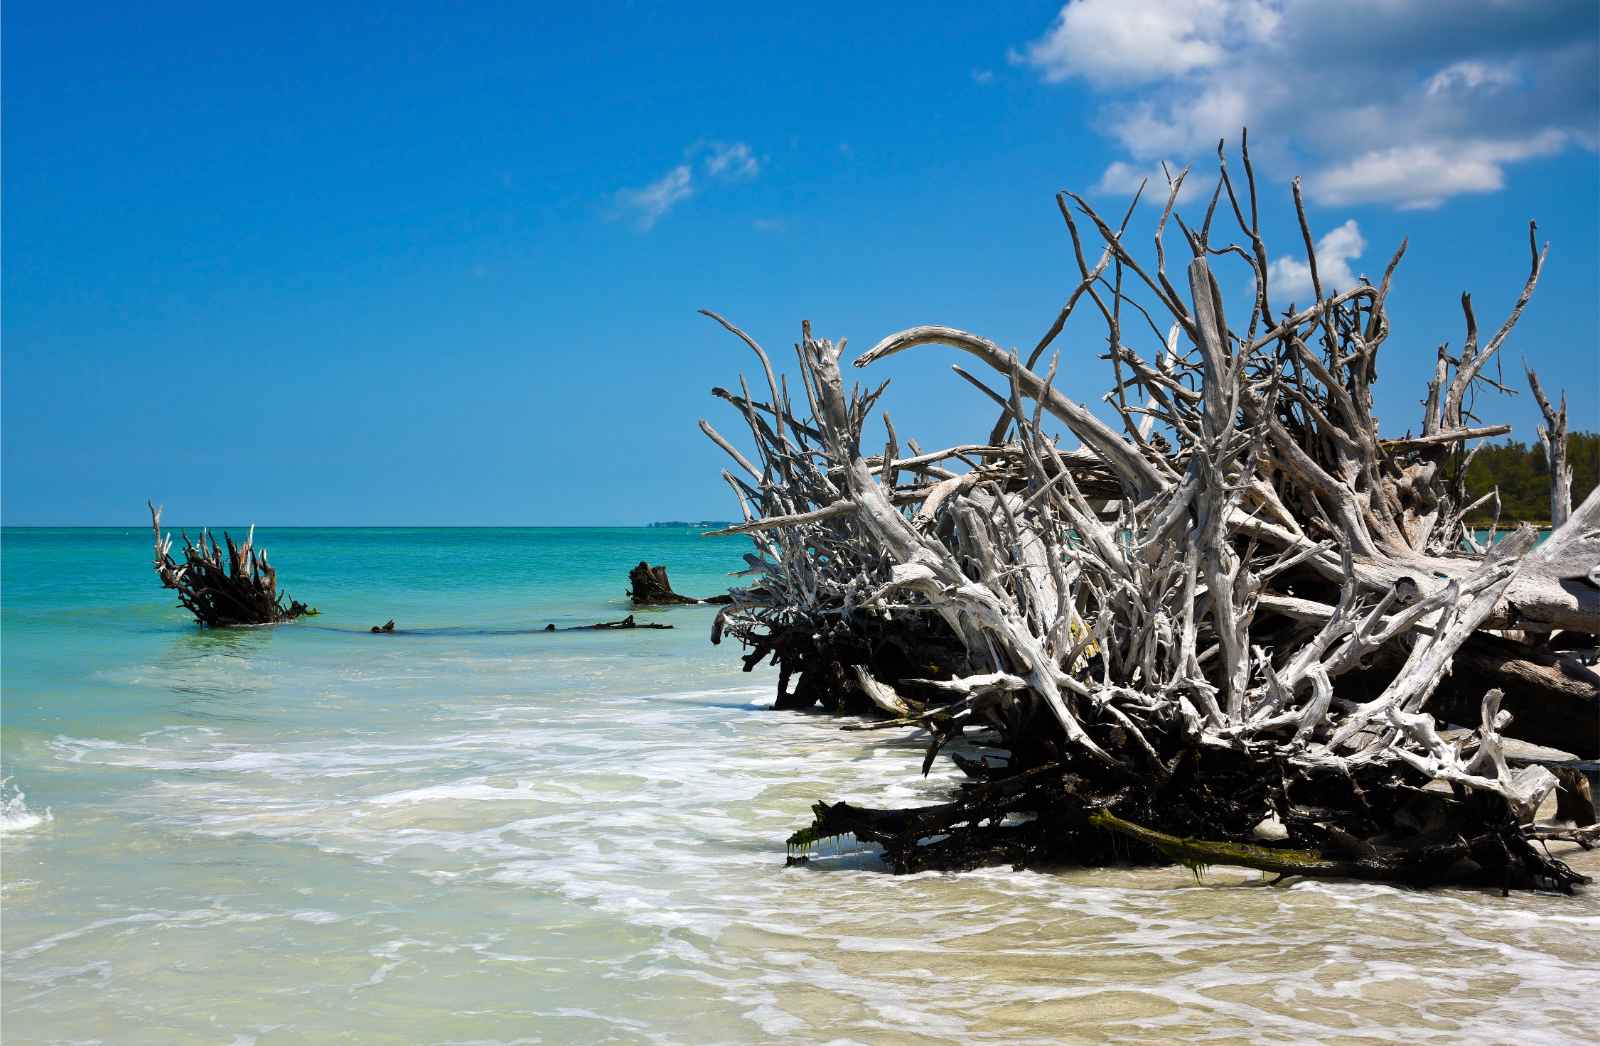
(14, 813)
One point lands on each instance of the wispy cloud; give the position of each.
(1425, 101)
(717, 161)
(1335, 251)
(768, 225)
(651, 203)
(1472, 76)
(982, 76)
(733, 161)
(1124, 179)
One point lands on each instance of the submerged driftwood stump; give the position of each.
(236, 587)
(1222, 629)
(627, 622)
(648, 586)
(606, 626)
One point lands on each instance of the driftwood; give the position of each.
(1215, 627)
(648, 586)
(1550, 695)
(388, 628)
(627, 622)
(1574, 797)
(236, 587)
(1553, 438)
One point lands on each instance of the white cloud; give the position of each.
(1422, 176)
(733, 161)
(1335, 251)
(982, 76)
(1400, 102)
(1187, 126)
(1471, 76)
(649, 204)
(1110, 42)
(1124, 179)
(768, 225)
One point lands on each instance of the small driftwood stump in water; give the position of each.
(1214, 632)
(648, 587)
(236, 588)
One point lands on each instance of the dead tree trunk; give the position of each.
(648, 586)
(1241, 634)
(236, 587)
(1553, 438)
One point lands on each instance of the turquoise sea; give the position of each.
(473, 831)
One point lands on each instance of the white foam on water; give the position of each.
(315, 917)
(14, 813)
(475, 789)
(653, 820)
(163, 918)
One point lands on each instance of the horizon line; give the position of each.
(363, 526)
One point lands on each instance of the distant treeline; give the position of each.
(1523, 476)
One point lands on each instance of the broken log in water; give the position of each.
(1241, 641)
(648, 586)
(239, 587)
(625, 623)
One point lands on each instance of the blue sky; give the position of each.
(440, 264)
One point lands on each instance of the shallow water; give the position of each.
(484, 834)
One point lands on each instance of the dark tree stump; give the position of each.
(648, 586)
(239, 588)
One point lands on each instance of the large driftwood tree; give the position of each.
(223, 588)
(1222, 618)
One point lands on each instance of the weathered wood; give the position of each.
(1553, 438)
(1574, 798)
(1553, 700)
(625, 623)
(221, 590)
(1234, 612)
(648, 586)
(607, 626)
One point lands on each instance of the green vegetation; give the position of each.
(1523, 476)
(1199, 854)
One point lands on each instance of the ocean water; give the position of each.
(475, 832)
